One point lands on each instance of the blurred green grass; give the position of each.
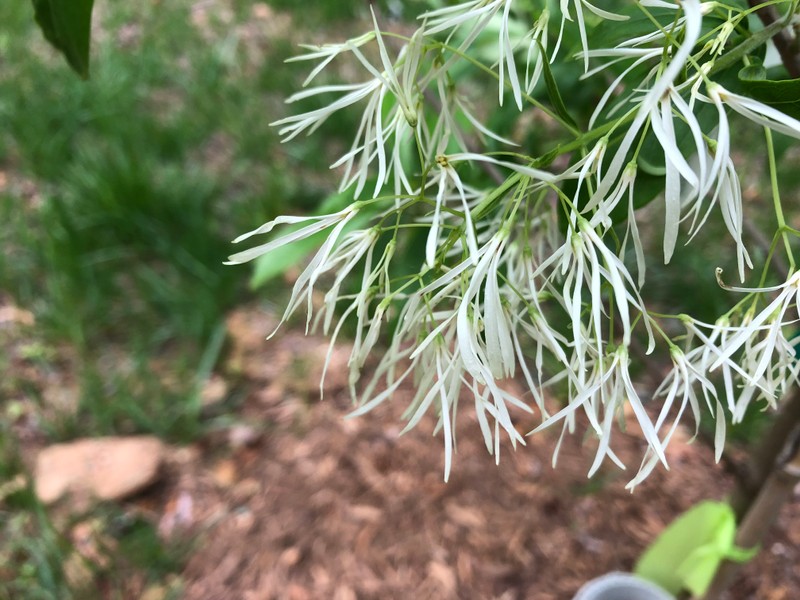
(135, 182)
(119, 199)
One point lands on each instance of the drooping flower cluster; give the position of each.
(520, 271)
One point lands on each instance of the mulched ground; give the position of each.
(296, 502)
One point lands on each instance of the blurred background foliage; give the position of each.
(123, 192)
(118, 200)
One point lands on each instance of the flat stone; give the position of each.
(109, 468)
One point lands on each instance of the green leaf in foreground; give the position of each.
(67, 25)
(687, 553)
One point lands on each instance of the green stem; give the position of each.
(776, 197)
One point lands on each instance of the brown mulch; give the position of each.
(297, 502)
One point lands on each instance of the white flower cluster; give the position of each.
(518, 278)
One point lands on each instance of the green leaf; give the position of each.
(552, 89)
(783, 94)
(67, 25)
(271, 265)
(688, 552)
(755, 71)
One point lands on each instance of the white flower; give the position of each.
(496, 357)
(754, 360)
(651, 100)
(590, 164)
(314, 224)
(294, 125)
(769, 323)
(537, 35)
(586, 263)
(681, 385)
(601, 207)
(677, 167)
(446, 177)
(579, 5)
(374, 283)
(328, 52)
(702, 355)
(479, 14)
(355, 246)
(728, 194)
(546, 340)
(603, 399)
(503, 263)
(720, 175)
(755, 111)
(632, 229)
(393, 79)
(425, 347)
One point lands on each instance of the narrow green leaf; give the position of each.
(552, 89)
(67, 25)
